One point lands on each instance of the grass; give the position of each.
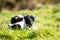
(47, 22)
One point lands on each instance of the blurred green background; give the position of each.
(47, 22)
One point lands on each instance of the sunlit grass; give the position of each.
(47, 22)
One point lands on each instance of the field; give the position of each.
(47, 22)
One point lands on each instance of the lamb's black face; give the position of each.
(33, 18)
(16, 19)
(29, 20)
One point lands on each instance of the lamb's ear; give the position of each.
(32, 17)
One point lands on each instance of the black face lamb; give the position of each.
(20, 22)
